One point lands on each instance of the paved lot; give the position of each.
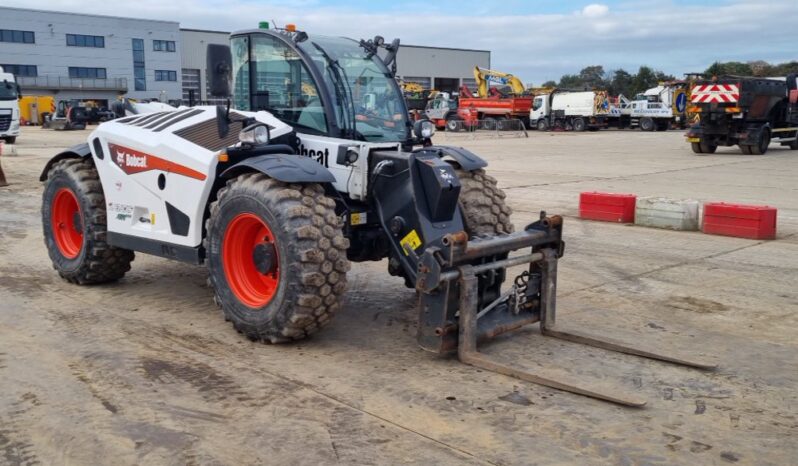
(146, 371)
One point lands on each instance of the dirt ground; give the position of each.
(146, 371)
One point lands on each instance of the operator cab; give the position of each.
(323, 86)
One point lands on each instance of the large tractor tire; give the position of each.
(276, 257)
(75, 225)
(764, 143)
(483, 205)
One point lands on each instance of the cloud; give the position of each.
(535, 46)
(594, 10)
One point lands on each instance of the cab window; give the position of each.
(282, 84)
(538, 102)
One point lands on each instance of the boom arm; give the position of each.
(484, 75)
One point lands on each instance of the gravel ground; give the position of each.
(146, 371)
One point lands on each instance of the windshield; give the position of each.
(8, 90)
(363, 89)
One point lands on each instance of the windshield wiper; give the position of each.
(341, 93)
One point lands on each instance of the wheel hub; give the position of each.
(265, 257)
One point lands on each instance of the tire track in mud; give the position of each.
(16, 447)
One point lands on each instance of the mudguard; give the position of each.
(74, 152)
(287, 168)
(467, 160)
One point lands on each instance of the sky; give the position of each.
(536, 41)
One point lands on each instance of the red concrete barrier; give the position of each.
(742, 221)
(607, 207)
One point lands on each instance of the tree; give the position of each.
(621, 83)
(645, 78)
(592, 77)
(549, 83)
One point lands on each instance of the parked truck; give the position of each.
(9, 107)
(657, 108)
(577, 110)
(748, 112)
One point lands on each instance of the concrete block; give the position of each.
(672, 214)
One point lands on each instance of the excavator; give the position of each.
(493, 106)
(485, 76)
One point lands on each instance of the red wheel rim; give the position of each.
(67, 223)
(247, 283)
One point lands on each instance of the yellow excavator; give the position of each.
(484, 76)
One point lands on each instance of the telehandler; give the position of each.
(278, 195)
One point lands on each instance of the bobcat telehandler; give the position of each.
(277, 195)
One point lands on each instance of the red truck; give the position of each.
(468, 111)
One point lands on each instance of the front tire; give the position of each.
(276, 257)
(542, 125)
(75, 225)
(647, 124)
(483, 204)
(454, 124)
(11, 140)
(696, 146)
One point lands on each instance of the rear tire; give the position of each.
(579, 124)
(75, 225)
(696, 146)
(745, 149)
(764, 143)
(489, 123)
(298, 292)
(708, 148)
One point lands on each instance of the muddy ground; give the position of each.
(146, 371)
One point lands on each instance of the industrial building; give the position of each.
(93, 57)
(90, 57)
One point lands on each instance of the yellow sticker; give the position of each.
(411, 241)
(357, 218)
(152, 219)
(693, 139)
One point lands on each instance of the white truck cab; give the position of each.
(9, 107)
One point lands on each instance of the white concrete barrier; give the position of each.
(672, 214)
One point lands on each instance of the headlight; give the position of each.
(256, 134)
(424, 129)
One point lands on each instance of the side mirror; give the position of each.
(19, 92)
(220, 69)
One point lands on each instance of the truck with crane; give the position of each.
(655, 109)
(744, 111)
(278, 195)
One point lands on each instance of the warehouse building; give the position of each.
(444, 69)
(90, 57)
(93, 57)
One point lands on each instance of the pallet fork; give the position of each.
(461, 273)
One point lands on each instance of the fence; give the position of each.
(487, 128)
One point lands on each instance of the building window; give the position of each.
(165, 75)
(86, 73)
(22, 37)
(21, 70)
(163, 45)
(80, 40)
(139, 75)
